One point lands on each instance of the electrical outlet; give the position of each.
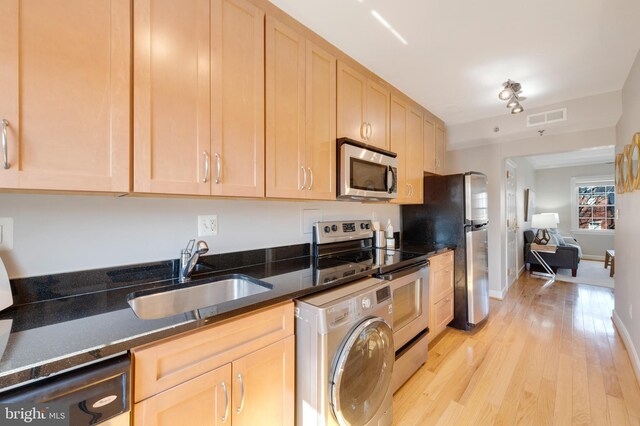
(207, 225)
(6, 233)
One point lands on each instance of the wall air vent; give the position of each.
(547, 117)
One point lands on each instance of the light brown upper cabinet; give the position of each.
(429, 144)
(407, 142)
(301, 114)
(237, 120)
(435, 141)
(363, 108)
(441, 148)
(198, 97)
(65, 79)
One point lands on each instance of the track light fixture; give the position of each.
(511, 93)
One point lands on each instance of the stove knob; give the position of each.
(366, 303)
(362, 226)
(334, 228)
(368, 226)
(327, 229)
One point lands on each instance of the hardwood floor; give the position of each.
(548, 354)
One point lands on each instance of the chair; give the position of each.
(566, 256)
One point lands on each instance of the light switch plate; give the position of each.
(309, 217)
(6, 233)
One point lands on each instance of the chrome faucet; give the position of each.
(189, 257)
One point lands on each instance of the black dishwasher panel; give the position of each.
(93, 394)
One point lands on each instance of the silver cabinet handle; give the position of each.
(369, 131)
(226, 403)
(363, 126)
(205, 156)
(310, 178)
(5, 147)
(410, 190)
(304, 177)
(219, 165)
(239, 409)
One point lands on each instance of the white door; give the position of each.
(512, 222)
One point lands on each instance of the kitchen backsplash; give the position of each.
(63, 233)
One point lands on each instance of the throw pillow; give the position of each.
(559, 238)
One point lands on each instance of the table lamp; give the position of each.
(543, 221)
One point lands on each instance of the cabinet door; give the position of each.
(263, 385)
(286, 169)
(399, 112)
(377, 114)
(429, 145)
(237, 95)
(414, 158)
(321, 122)
(442, 315)
(65, 79)
(171, 97)
(442, 283)
(352, 92)
(441, 148)
(203, 401)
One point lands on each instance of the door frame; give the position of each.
(510, 165)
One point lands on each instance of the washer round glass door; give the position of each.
(361, 375)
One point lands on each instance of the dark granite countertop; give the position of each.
(65, 330)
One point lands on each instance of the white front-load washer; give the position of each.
(345, 355)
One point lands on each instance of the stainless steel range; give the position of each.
(344, 252)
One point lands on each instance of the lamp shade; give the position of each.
(544, 220)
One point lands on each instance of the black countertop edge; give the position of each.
(15, 378)
(32, 373)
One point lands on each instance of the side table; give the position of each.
(536, 249)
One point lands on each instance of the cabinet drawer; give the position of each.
(442, 283)
(441, 261)
(160, 366)
(442, 313)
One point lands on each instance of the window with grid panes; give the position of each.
(596, 206)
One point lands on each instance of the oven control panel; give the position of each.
(329, 232)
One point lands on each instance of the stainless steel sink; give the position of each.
(156, 304)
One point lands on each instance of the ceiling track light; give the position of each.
(511, 93)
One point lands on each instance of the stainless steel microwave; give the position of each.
(366, 172)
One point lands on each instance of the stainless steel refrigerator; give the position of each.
(455, 213)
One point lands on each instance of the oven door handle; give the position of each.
(406, 271)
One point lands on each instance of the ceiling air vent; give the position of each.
(547, 117)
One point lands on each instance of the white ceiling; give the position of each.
(459, 52)
(582, 157)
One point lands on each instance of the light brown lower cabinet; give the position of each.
(239, 372)
(440, 293)
(205, 400)
(256, 389)
(264, 386)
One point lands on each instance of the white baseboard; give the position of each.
(497, 294)
(591, 257)
(626, 338)
(520, 272)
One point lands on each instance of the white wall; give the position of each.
(627, 297)
(490, 160)
(554, 195)
(61, 233)
(526, 179)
